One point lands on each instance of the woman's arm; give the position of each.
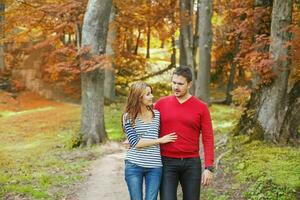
(149, 142)
(135, 141)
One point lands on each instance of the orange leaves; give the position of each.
(91, 65)
(43, 17)
(90, 62)
(240, 96)
(61, 65)
(247, 30)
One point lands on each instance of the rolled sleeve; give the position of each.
(131, 134)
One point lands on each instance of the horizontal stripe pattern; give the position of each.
(148, 156)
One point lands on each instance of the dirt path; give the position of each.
(106, 176)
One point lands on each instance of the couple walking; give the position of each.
(164, 141)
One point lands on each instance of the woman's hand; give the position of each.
(167, 138)
(126, 144)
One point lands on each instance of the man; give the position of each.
(189, 118)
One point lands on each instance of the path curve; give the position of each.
(106, 177)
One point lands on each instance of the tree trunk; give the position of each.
(129, 40)
(137, 42)
(109, 81)
(230, 84)
(173, 55)
(196, 37)
(265, 3)
(162, 44)
(205, 43)
(69, 38)
(94, 35)
(2, 22)
(148, 40)
(78, 35)
(186, 37)
(272, 112)
(289, 132)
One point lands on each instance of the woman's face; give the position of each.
(147, 98)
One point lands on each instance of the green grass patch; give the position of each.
(36, 158)
(112, 119)
(209, 194)
(272, 172)
(224, 118)
(9, 113)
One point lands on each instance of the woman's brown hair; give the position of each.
(134, 101)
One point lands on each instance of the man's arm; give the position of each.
(208, 146)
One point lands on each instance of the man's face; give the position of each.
(180, 86)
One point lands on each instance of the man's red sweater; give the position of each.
(188, 120)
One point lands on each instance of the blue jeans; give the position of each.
(134, 176)
(187, 171)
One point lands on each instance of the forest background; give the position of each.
(66, 67)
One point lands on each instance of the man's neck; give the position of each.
(184, 98)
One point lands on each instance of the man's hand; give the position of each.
(207, 177)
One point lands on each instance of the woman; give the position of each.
(143, 161)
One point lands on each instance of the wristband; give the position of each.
(210, 168)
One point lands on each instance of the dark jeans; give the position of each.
(187, 171)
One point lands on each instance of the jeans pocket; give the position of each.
(130, 164)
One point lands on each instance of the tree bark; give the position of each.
(230, 84)
(109, 81)
(148, 40)
(162, 44)
(78, 35)
(129, 40)
(186, 37)
(173, 55)
(273, 105)
(196, 37)
(272, 109)
(2, 22)
(289, 132)
(205, 43)
(94, 35)
(137, 42)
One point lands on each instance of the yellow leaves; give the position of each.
(240, 96)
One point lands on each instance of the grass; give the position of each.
(223, 118)
(36, 158)
(113, 121)
(36, 161)
(281, 164)
(31, 151)
(269, 171)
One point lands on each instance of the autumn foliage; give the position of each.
(241, 37)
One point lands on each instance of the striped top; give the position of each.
(148, 157)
